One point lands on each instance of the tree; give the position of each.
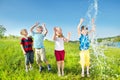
(2, 30)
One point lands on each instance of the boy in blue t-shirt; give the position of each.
(38, 37)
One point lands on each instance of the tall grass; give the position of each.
(12, 63)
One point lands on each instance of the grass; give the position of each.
(12, 63)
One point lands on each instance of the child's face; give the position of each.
(83, 29)
(58, 31)
(25, 33)
(86, 29)
(39, 29)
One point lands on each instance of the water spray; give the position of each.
(99, 60)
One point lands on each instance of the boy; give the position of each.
(39, 46)
(84, 46)
(26, 45)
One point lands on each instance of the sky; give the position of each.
(18, 14)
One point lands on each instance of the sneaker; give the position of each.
(49, 67)
(82, 75)
(31, 68)
(40, 69)
(88, 75)
(59, 74)
(26, 70)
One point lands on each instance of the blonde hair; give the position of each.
(21, 32)
(39, 27)
(61, 35)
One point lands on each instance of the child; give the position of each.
(39, 46)
(26, 45)
(59, 49)
(84, 46)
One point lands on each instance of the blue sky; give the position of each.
(18, 14)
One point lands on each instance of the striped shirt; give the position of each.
(27, 44)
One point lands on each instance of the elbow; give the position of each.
(67, 40)
(53, 38)
(46, 31)
(31, 30)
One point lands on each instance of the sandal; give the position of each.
(82, 75)
(88, 75)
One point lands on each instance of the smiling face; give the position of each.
(39, 29)
(59, 31)
(84, 30)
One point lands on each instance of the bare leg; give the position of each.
(59, 66)
(30, 65)
(26, 66)
(48, 65)
(82, 73)
(46, 62)
(87, 62)
(40, 67)
(31, 68)
(87, 69)
(39, 64)
(88, 75)
(62, 67)
(82, 62)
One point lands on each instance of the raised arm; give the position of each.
(54, 34)
(45, 29)
(68, 37)
(78, 27)
(93, 26)
(36, 24)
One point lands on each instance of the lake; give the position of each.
(114, 44)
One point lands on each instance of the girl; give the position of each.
(84, 46)
(59, 49)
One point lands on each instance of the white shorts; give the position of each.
(40, 55)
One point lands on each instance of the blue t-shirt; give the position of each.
(84, 42)
(38, 40)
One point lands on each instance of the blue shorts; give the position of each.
(29, 58)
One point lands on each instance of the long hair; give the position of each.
(61, 35)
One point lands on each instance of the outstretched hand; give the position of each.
(69, 33)
(54, 29)
(43, 25)
(81, 20)
(93, 20)
(93, 24)
(68, 37)
(37, 23)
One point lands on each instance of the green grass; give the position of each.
(12, 63)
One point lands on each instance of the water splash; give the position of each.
(99, 65)
(92, 10)
(98, 56)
